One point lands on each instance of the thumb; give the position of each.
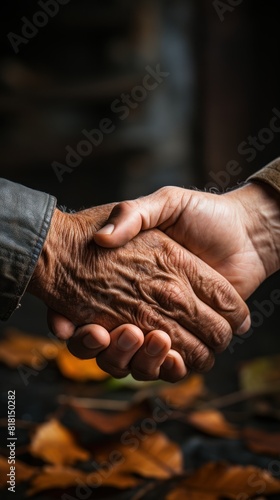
(124, 223)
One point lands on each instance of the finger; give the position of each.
(173, 368)
(60, 326)
(124, 223)
(214, 290)
(147, 361)
(195, 353)
(88, 341)
(191, 314)
(125, 342)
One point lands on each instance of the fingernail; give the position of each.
(106, 229)
(168, 363)
(154, 347)
(127, 340)
(245, 326)
(90, 343)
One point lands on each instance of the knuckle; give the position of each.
(224, 296)
(200, 357)
(221, 337)
(147, 319)
(170, 296)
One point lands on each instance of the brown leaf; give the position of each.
(184, 394)
(80, 370)
(111, 423)
(53, 443)
(263, 442)
(52, 477)
(23, 472)
(141, 456)
(212, 422)
(21, 348)
(215, 481)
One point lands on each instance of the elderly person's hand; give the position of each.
(152, 282)
(236, 233)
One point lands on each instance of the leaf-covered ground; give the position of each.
(82, 435)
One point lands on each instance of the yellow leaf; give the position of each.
(260, 374)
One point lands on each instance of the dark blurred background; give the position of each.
(223, 87)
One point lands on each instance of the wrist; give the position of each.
(261, 214)
(45, 273)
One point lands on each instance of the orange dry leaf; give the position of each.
(53, 443)
(215, 481)
(184, 394)
(141, 456)
(21, 348)
(81, 370)
(260, 441)
(52, 477)
(23, 472)
(111, 423)
(212, 422)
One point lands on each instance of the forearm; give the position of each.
(25, 217)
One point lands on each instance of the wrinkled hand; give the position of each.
(236, 233)
(127, 347)
(152, 282)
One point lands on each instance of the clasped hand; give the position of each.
(167, 311)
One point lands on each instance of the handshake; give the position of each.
(156, 286)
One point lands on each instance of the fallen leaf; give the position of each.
(111, 423)
(141, 456)
(52, 477)
(53, 443)
(263, 442)
(260, 374)
(21, 348)
(212, 422)
(23, 472)
(80, 370)
(183, 394)
(216, 481)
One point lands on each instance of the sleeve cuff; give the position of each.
(269, 174)
(25, 217)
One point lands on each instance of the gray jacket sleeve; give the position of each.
(25, 217)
